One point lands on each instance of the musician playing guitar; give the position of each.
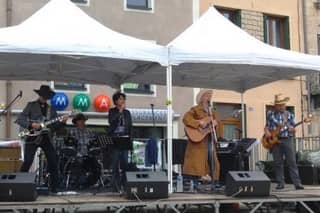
(32, 117)
(280, 117)
(200, 157)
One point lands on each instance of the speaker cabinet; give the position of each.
(148, 185)
(228, 162)
(308, 174)
(17, 187)
(249, 183)
(178, 150)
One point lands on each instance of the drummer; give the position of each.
(81, 134)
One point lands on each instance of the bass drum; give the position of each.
(81, 172)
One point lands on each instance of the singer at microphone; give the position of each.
(202, 138)
(120, 124)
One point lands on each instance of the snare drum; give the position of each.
(69, 147)
(94, 148)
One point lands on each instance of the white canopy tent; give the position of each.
(214, 53)
(61, 42)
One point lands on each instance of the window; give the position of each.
(276, 31)
(134, 88)
(316, 101)
(233, 15)
(81, 2)
(229, 125)
(146, 5)
(71, 86)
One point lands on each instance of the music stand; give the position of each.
(122, 143)
(104, 141)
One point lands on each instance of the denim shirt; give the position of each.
(276, 118)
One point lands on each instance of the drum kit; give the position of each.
(79, 171)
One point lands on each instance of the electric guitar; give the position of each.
(269, 142)
(30, 132)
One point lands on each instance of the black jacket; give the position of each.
(32, 112)
(114, 116)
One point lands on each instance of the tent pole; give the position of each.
(169, 126)
(243, 116)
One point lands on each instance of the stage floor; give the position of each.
(91, 201)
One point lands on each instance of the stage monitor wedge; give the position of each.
(18, 187)
(247, 183)
(146, 185)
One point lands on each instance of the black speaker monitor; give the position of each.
(247, 183)
(178, 150)
(147, 184)
(17, 187)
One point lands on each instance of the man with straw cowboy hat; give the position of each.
(201, 156)
(280, 117)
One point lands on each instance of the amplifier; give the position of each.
(250, 183)
(142, 185)
(17, 187)
(308, 174)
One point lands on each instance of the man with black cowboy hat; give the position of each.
(280, 117)
(31, 118)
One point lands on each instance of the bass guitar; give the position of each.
(44, 126)
(269, 142)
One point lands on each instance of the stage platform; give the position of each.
(178, 202)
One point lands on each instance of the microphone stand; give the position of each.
(154, 129)
(5, 110)
(214, 140)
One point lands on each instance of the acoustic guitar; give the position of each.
(197, 134)
(269, 142)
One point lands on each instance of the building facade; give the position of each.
(278, 23)
(312, 46)
(154, 21)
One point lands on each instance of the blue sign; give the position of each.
(59, 101)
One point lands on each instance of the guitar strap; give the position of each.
(48, 116)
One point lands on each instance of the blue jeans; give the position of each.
(281, 151)
(120, 161)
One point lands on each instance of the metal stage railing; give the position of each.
(307, 143)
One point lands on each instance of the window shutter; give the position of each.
(265, 29)
(238, 18)
(286, 34)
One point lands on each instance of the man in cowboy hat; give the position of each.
(201, 157)
(32, 118)
(82, 134)
(280, 117)
(84, 138)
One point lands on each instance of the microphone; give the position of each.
(151, 105)
(20, 93)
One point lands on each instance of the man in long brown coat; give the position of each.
(200, 154)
